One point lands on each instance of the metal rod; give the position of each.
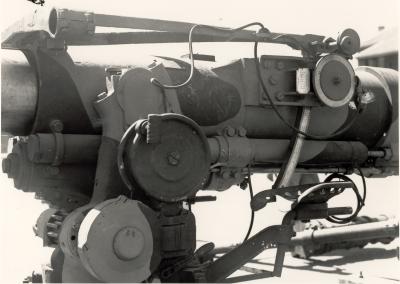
(175, 31)
(273, 170)
(374, 230)
(338, 234)
(287, 172)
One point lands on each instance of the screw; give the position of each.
(173, 158)
(230, 131)
(241, 132)
(56, 125)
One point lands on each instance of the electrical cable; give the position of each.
(275, 109)
(190, 77)
(364, 185)
(360, 200)
(258, 69)
(252, 211)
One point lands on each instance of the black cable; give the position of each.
(275, 109)
(189, 79)
(360, 200)
(252, 211)
(364, 185)
(258, 69)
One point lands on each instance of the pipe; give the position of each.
(240, 151)
(339, 234)
(374, 230)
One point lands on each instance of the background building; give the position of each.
(381, 50)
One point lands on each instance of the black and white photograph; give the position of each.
(199, 141)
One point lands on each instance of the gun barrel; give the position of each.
(19, 93)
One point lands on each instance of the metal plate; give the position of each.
(117, 242)
(176, 165)
(334, 80)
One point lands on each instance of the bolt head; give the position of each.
(174, 158)
(56, 125)
(241, 132)
(230, 131)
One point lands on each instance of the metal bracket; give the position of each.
(278, 236)
(314, 192)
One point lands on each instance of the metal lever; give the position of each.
(304, 192)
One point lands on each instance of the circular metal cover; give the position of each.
(176, 165)
(349, 42)
(117, 241)
(334, 80)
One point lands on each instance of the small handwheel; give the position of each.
(348, 42)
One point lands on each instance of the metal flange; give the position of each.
(334, 80)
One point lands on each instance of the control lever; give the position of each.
(312, 193)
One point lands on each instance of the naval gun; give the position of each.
(119, 151)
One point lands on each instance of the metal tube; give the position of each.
(338, 234)
(286, 173)
(19, 93)
(376, 230)
(84, 23)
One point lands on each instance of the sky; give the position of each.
(307, 16)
